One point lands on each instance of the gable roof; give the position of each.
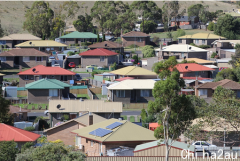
(201, 36)
(192, 67)
(133, 84)
(8, 133)
(41, 43)
(43, 70)
(135, 34)
(226, 83)
(47, 84)
(184, 18)
(23, 52)
(79, 35)
(126, 132)
(14, 109)
(132, 71)
(181, 48)
(98, 52)
(20, 37)
(110, 44)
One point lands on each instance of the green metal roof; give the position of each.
(21, 89)
(79, 35)
(47, 84)
(78, 87)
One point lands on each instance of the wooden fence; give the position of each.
(22, 93)
(135, 105)
(79, 91)
(96, 90)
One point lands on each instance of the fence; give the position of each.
(79, 91)
(96, 90)
(135, 105)
(95, 83)
(21, 93)
(89, 94)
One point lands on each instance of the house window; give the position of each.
(3, 58)
(203, 41)
(120, 93)
(202, 92)
(196, 41)
(102, 58)
(64, 78)
(2, 42)
(92, 143)
(53, 92)
(182, 55)
(238, 94)
(26, 59)
(59, 115)
(145, 93)
(39, 58)
(179, 40)
(78, 141)
(139, 39)
(53, 77)
(26, 77)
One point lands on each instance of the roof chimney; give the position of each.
(90, 119)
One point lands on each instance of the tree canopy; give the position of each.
(149, 26)
(1, 30)
(148, 51)
(5, 116)
(8, 150)
(83, 23)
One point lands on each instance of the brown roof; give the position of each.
(14, 109)
(23, 52)
(135, 34)
(20, 37)
(110, 44)
(226, 83)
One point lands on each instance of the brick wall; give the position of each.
(93, 60)
(225, 54)
(8, 63)
(94, 149)
(204, 74)
(181, 23)
(39, 95)
(135, 40)
(32, 62)
(112, 59)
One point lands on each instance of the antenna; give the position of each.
(186, 67)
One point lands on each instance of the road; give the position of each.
(10, 76)
(36, 114)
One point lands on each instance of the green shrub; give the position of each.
(8, 150)
(26, 146)
(70, 53)
(213, 55)
(136, 59)
(210, 26)
(77, 45)
(38, 118)
(30, 128)
(133, 46)
(179, 33)
(148, 51)
(192, 44)
(94, 72)
(204, 46)
(66, 117)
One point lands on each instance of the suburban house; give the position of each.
(135, 72)
(135, 38)
(101, 57)
(184, 20)
(63, 131)
(9, 133)
(96, 139)
(109, 45)
(19, 114)
(73, 108)
(47, 46)
(132, 91)
(157, 149)
(41, 71)
(223, 63)
(181, 51)
(193, 70)
(24, 57)
(11, 40)
(224, 48)
(78, 37)
(73, 58)
(44, 89)
(198, 61)
(147, 63)
(206, 90)
(199, 39)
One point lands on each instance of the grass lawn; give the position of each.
(101, 71)
(11, 71)
(30, 106)
(124, 117)
(132, 119)
(101, 96)
(83, 96)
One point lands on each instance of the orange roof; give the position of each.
(43, 70)
(98, 52)
(191, 67)
(124, 78)
(8, 133)
(153, 125)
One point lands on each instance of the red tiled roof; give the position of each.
(8, 133)
(192, 67)
(194, 78)
(135, 34)
(125, 78)
(23, 52)
(43, 70)
(98, 52)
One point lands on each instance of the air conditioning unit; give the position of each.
(80, 146)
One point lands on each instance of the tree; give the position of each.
(103, 37)
(84, 23)
(136, 59)
(179, 33)
(70, 53)
(71, 7)
(146, 119)
(149, 26)
(26, 146)
(211, 26)
(235, 59)
(195, 10)
(38, 19)
(148, 51)
(51, 151)
(1, 30)
(173, 111)
(8, 150)
(226, 74)
(214, 54)
(98, 38)
(57, 28)
(5, 116)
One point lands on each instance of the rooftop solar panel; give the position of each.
(114, 125)
(100, 132)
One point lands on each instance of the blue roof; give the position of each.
(100, 132)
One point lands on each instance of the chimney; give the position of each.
(196, 82)
(90, 118)
(20, 68)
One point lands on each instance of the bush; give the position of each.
(27, 145)
(66, 117)
(70, 53)
(148, 51)
(133, 46)
(210, 26)
(156, 40)
(77, 45)
(204, 46)
(193, 44)
(94, 72)
(136, 59)
(38, 118)
(30, 128)
(8, 150)
(213, 55)
(169, 35)
(179, 33)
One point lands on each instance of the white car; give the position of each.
(199, 145)
(56, 65)
(46, 112)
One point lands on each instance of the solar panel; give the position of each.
(100, 132)
(114, 125)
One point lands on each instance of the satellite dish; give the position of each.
(58, 106)
(184, 57)
(186, 67)
(105, 45)
(108, 85)
(34, 70)
(30, 43)
(190, 48)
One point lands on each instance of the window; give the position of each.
(38, 58)
(26, 59)
(91, 143)
(2, 42)
(202, 92)
(59, 115)
(196, 41)
(26, 77)
(238, 94)
(197, 143)
(78, 141)
(203, 41)
(3, 58)
(102, 58)
(145, 93)
(139, 39)
(182, 55)
(179, 40)
(121, 93)
(53, 92)
(64, 78)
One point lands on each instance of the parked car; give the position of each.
(46, 112)
(199, 145)
(91, 66)
(51, 58)
(99, 67)
(72, 65)
(77, 77)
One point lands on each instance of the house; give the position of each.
(193, 81)
(109, 45)
(24, 57)
(73, 58)
(180, 51)
(157, 149)
(135, 38)
(206, 90)
(11, 40)
(147, 63)
(223, 63)
(134, 71)
(19, 114)
(199, 39)
(194, 70)
(198, 61)
(63, 131)
(9, 133)
(100, 57)
(225, 48)
(44, 89)
(184, 20)
(41, 71)
(72, 108)
(78, 37)
(226, 53)
(47, 46)
(132, 91)
(96, 139)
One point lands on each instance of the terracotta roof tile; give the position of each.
(24, 52)
(98, 52)
(226, 83)
(192, 67)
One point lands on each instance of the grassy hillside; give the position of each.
(12, 13)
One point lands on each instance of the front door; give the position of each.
(133, 96)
